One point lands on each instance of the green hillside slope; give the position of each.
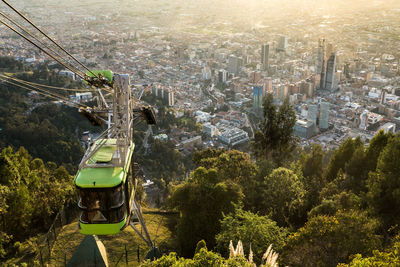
(161, 228)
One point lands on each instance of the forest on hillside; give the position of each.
(315, 207)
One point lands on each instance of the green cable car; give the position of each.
(105, 179)
(106, 191)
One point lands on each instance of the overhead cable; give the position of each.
(44, 92)
(29, 89)
(49, 86)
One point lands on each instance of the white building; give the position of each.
(233, 136)
(81, 97)
(161, 137)
(210, 129)
(202, 116)
(388, 127)
(364, 120)
(206, 73)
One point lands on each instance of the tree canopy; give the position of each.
(256, 232)
(274, 139)
(201, 202)
(31, 193)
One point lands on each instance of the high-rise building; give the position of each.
(347, 71)
(265, 56)
(160, 92)
(324, 115)
(364, 120)
(268, 86)
(281, 91)
(322, 62)
(255, 77)
(222, 76)
(331, 76)
(206, 73)
(258, 95)
(304, 129)
(169, 97)
(383, 97)
(312, 113)
(283, 43)
(234, 64)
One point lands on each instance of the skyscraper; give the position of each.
(364, 120)
(312, 113)
(222, 76)
(324, 115)
(265, 56)
(322, 62)
(268, 86)
(258, 95)
(234, 64)
(331, 73)
(169, 97)
(283, 43)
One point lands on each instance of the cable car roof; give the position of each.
(101, 177)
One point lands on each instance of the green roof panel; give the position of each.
(104, 154)
(100, 177)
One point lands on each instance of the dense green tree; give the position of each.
(312, 168)
(231, 165)
(388, 258)
(201, 202)
(31, 193)
(356, 171)
(253, 230)
(163, 162)
(283, 197)
(363, 161)
(331, 205)
(342, 156)
(206, 157)
(384, 184)
(254, 190)
(329, 240)
(201, 259)
(375, 147)
(236, 166)
(274, 139)
(10, 64)
(200, 245)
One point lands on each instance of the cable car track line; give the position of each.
(45, 93)
(48, 86)
(29, 89)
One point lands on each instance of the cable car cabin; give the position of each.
(105, 190)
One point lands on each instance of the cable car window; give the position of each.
(117, 197)
(99, 216)
(92, 199)
(106, 205)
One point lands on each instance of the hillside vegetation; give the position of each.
(160, 226)
(316, 207)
